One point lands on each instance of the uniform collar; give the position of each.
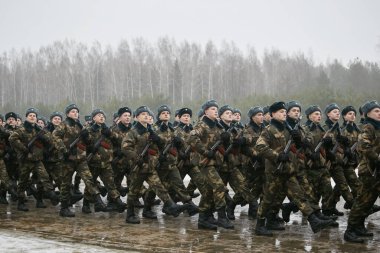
(140, 128)
(279, 125)
(123, 127)
(374, 123)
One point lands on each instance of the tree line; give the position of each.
(183, 73)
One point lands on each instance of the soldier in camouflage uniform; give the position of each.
(206, 133)
(29, 141)
(64, 136)
(5, 183)
(271, 146)
(350, 161)
(142, 138)
(100, 155)
(334, 155)
(369, 170)
(267, 116)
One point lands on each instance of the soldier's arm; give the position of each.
(128, 146)
(195, 140)
(263, 149)
(57, 137)
(16, 144)
(365, 143)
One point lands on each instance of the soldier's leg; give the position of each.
(136, 181)
(352, 180)
(5, 183)
(77, 180)
(24, 175)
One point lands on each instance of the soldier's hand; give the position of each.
(183, 156)
(153, 137)
(327, 141)
(210, 154)
(315, 156)
(296, 135)
(330, 156)
(84, 133)
(241, 141)
(177, 142)
(343, 140)
(225, 137)
(44, 139)
(283, 157)
(162, 159)
(106, 131)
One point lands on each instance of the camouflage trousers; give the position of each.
(368, 193)
(217, 199)
(352, 181)
(26, 168)
(154, 182)
(255, 179)
(106, 175)
(4, 179)
(341, 185)
(54, 171)
(282, 183)
(68, 169)
(124, 171)
(237, 181)
(172, 181)
(320, 181)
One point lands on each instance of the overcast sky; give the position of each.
(343, 29)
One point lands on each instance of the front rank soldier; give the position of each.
(70, 139)
(29, 141)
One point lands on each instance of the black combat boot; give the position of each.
(86, 206)
(287, 209)
(111, 205)
(317, 224)
(192, 208)
(171, 208)
(360, 230)
(156, 202)
(138, 204)
(351, 236)
(148, 213)
(76, 187)
(323, 217)
(102, 190)
(211, 218)
(121, 206)
(74, 198)
(39, 201)
(204, 223)
(273, 223)
(123, 191)
(3, 197)
(99, 204)
(230, 209)
(374, 209)
(252, 210)
(223, 221)
(131, 217)
(261, 229)
(54, 199)
(194, 195)
(332, 211)
(21, 206)
(65, 211)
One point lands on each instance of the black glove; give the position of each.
(153, 137)
(210, 154)
(162, 158)
(225, 137)
(44, 139)
(183, 156)
(283, 157)
(241, 141)
(177, 142)
(315, 156)
(84, 133)
(349, 154)
(330, 156)
(106, 131)
(296, 135)
(327, 141)
(343, 140)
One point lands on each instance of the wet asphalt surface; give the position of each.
(43, 230)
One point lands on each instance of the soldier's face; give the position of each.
(350, 116)
(31, 118)
(40, 123)
(258, 118)
(143, 117)
(19, 122)
(294, 113)
(267, 117)
(99, 118)
(125, 118)
(374, 114)
(334, 115)
(212, 112)
(185, 118)
(56, 120)
(11, 121)
(316, 117)
(280, 115)
(226, 116)
(164, 116)
(237, 116)
(176, 118)
(74, 114)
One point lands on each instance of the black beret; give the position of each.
(123, 110)
(369, 106)
(10, 115)
(266, 109)
(360, 110)
(255, 110)
(276, 106)
(141, 109)
(70, 107)
(348, 109)
(311, 109)
(225, 108)
(209, 104)
(292, 104)
(31, 110)
(331, 107)
(56, 114)
(183, 111)
(236, 110)
(161, 109)
(96, 112)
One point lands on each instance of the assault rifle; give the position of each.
(32, 141)
(288, 145)
(141, 156)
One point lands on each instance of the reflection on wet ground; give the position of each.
(43, 230)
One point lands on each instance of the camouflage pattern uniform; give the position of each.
(5, 183)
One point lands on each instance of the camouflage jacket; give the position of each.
(333, 134)
(10, 154)
(166, 134)
(351, 131)
(100, 146)
(4, 135)
(134, 143)
(252, 132)
(52, 154)
(22, 136)
(271, 143)
(183, 131)
(369, 146)
(204, 135)
(314, 134)
(121, 131)
(65, 134)
(234, 157)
